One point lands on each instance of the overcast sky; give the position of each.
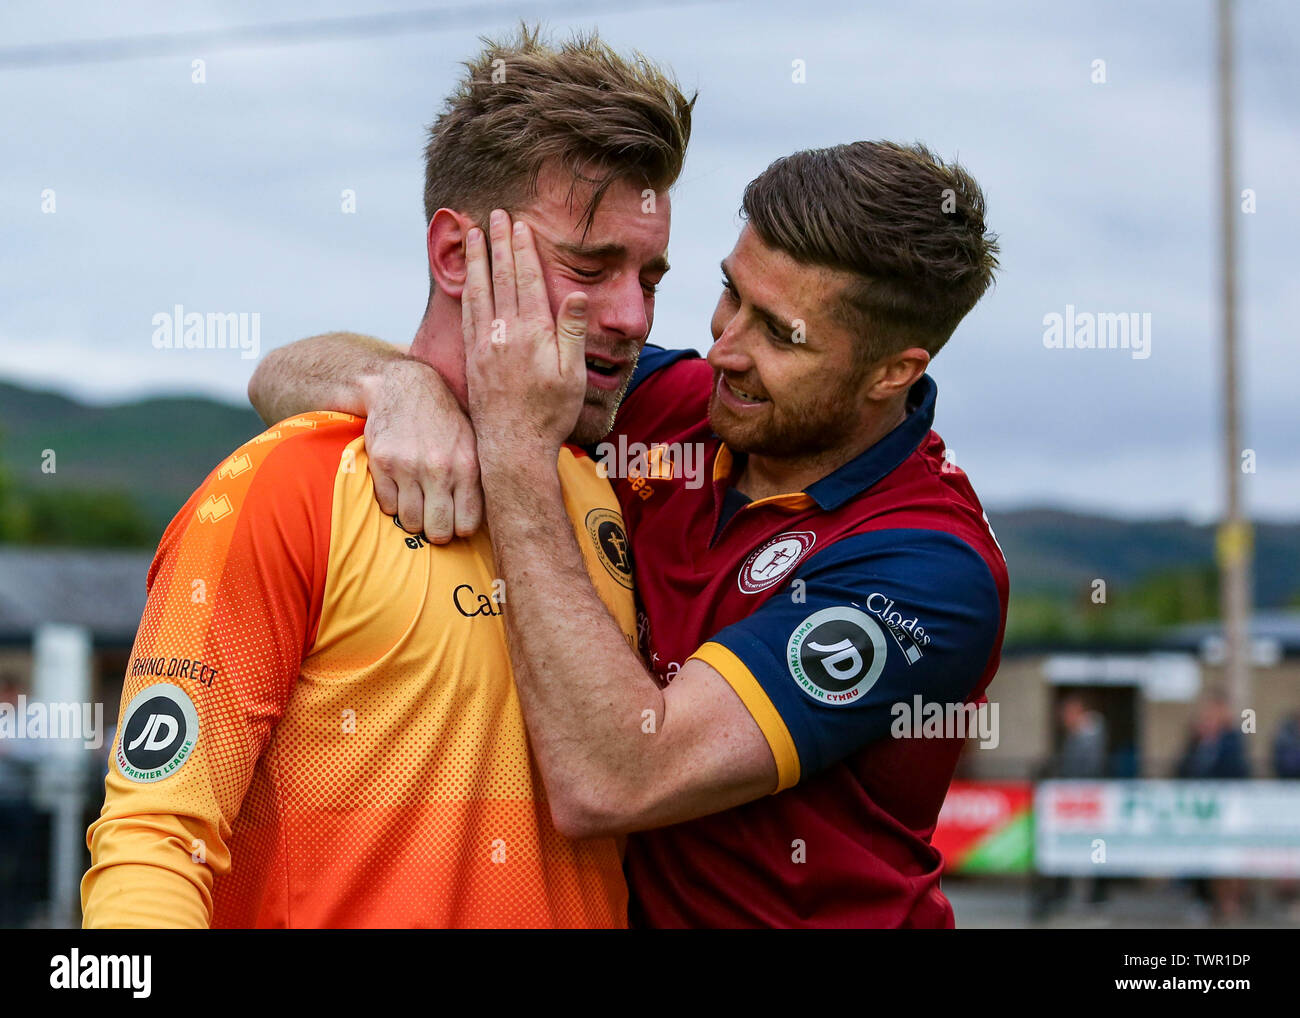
(225, 196)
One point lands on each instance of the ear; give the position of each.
(894, 376)
(446, 245)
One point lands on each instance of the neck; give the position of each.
(439, 343)
(764, 476)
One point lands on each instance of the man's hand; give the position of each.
(418, 439)
(585, 693)
(421, 450)
(526, 376)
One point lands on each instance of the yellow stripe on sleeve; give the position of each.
(760, 707)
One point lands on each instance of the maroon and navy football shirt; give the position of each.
(823, 609)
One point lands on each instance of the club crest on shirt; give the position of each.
(605, 527)
(770, 562)
(836, 655)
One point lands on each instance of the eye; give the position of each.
(777, 334)
(650, 288)
(726, 285)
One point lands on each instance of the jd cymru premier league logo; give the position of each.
(836, 655)
(158, 733)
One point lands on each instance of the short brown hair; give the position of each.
(600, 116)
(908, 226)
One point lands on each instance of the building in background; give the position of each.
(1145, 691)
(80, 609)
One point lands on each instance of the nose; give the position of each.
(623, 308)
(728, 352)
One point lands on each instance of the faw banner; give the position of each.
(1168, 828)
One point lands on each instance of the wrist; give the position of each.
(385, 377)
(394, 378)
(507, 457)
(513, 469)
(368, 387)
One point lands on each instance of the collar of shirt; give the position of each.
(859, 473)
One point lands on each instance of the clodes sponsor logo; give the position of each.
(158, 732)
(836, 655)
(768, 564)
(605, 527)
(903, 626)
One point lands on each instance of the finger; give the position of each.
(467, 312)
(530, 288)
(410, 507)
(504, 299)
(571, 337)
(438, 517)
(385, 492)
(468, 506)
(477, 295)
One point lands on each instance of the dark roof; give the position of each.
(1279, 627)
(1273, 631)
(102, 590)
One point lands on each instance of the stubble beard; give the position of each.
(600, 407)
(790, 431)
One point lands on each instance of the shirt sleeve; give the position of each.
(234, 601)
(840, 653)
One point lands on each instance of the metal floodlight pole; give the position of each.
(1234, 538)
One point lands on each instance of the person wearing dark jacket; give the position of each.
(1215, 751)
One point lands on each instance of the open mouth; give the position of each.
(603, 367)
(605, 373)
(742, 395)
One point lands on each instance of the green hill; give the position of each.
(1157, 573)
(1058, 552)
(153, 451)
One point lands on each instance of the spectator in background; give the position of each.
(1286, 748)
(1083, 748)
(1215, 751)
(1286, 765)
(1082, 755)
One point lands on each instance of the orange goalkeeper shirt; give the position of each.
(319, 723)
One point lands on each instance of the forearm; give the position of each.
(334, 371)
(143, 874)
(140, 896)
(590, 705)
